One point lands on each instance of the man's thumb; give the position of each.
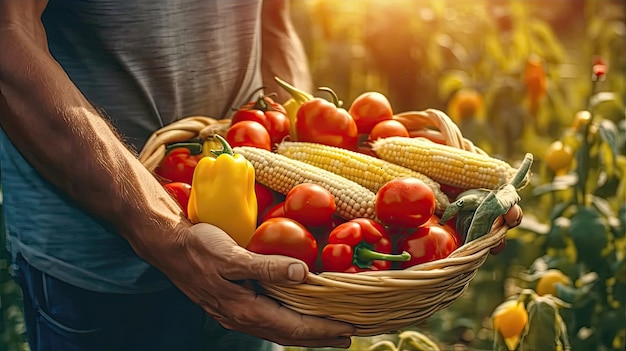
(273, 269)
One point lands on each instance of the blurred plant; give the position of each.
(582, 261)
(409, 340)
(530, 322)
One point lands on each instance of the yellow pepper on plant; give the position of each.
(222, 193)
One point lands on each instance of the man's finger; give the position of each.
(263, 317)
(266, 268)
(514, 216)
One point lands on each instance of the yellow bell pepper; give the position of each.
(298, 97)
(222, 194)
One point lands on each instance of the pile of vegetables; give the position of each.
(344, 190)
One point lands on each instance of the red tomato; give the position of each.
(368, 109)
(277, 125)
(275, 121)
(264, 199)
(277, 210)
(248, 115)
(449, 226)
(405, 202)
(180, 192)
(428, 243)
(388, 128)
(284, 236)
(248, 133)
(310, 204)
(178, 165)
(321, 121)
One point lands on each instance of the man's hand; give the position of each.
(512, 218)
(212, 266)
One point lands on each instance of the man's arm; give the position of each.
(283, 54)
(40, 106)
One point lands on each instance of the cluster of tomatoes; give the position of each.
(264, 123)
(303, 225)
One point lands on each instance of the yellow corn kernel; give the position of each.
(368, 171)
(281, 174)
(445, 164)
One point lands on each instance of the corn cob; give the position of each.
(445, 164)
(281, 174)
(368, 171)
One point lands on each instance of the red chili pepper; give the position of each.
(269, 113)
(322, 121)
(179, 162)
(357, 245)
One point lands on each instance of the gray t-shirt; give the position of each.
(146, 64)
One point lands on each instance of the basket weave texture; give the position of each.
(375, 302)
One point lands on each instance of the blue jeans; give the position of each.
(62, 317)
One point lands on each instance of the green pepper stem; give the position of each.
(364, 254)
(226, 149)
(193, 147)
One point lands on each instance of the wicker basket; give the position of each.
(376, 302)
(188, 128)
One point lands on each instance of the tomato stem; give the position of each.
(333, 95)
(255, 92)
(261, 104)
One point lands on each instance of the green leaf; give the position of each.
(571, 294)
(559, 209)
(609, 134)
(621, 216)
(558, 232)
(609, 187)
(495, 204)
(559, 183)
(603, 206)
(603, 96)
(589, 232)
(498, 343)
(544, 331)
(610, 323)
(499, 201)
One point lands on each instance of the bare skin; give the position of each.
(40, 107)
(283, 54)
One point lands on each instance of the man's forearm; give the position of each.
(40, 107)
(283, 53)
